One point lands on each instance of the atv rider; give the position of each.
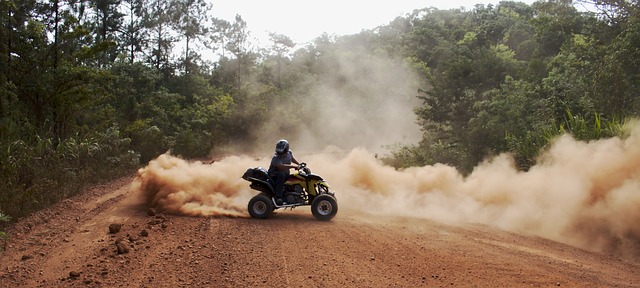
(279, 168)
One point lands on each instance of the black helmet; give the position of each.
(282, 147)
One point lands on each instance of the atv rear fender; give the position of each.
(261, 185)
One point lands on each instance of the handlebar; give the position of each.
(303, 167)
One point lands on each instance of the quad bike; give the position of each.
(300, 189)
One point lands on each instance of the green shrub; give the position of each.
(43, 171)
(527, 146)
(524, 145)
(3, 235)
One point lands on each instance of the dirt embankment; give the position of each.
(71, 245)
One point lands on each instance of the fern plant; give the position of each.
(528, 145)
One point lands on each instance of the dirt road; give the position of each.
(70, 245)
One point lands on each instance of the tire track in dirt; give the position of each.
(50, 236)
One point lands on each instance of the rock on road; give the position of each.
(71, 245)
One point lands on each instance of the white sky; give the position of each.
(304, 20)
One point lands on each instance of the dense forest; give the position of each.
(93, 89)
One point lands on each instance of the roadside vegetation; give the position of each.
(92, 90)
(3, 235)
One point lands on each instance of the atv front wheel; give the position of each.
(260, 206)
(324, 207)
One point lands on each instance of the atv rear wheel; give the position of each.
(260, 206)
(324, 207)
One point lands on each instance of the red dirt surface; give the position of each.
(71, 245)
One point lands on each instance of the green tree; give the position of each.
(158, 20)
(107, 24)
(191, 24)
(237, 44)
(281, 45)
(555, 23)
(218, 36)
(47, 78)
(512, 110)
(133, 37)
(616, 74)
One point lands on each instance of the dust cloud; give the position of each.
(176, 186)
(362, 99)
(583, 194)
